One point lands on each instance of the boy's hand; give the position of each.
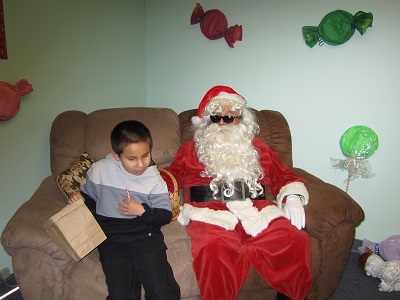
(130, 208)
(73, 197)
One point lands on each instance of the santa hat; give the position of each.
(219, 92)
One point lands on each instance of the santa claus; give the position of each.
(223, 173)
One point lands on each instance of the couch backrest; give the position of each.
(74, 132)
(274, 131)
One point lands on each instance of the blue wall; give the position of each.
(322, 91)
(78, 55)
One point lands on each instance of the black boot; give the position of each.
(280, 296)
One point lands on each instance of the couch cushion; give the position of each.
(163, 124)
(72, 178)
(74, 132)
(66, 139)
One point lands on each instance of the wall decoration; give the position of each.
(336, 28)
(3, 45)
(388, 249)
(214, 25)
(10, 98)
(357, 144)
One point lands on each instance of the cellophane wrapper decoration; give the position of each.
(388, 249)
(355, 167)
(357, 143)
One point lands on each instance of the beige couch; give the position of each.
(44, 271)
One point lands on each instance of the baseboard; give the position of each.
(356, 245)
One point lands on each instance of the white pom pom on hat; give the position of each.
(219, 92)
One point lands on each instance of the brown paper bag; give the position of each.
(75, 230)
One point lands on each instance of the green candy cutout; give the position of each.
(336, 28)
(359, 142)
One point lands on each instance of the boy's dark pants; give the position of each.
(125, 274)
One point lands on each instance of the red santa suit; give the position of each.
(228, 237)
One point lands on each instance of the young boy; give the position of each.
(132, 203)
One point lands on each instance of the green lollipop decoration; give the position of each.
(357, 144)
(336, 28)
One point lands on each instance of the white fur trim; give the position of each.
(254, 221)
(228, 96)
(297, 188)
(196, 121)
(222, 218)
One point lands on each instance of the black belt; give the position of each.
(203, 193)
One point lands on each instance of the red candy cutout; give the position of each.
(10, 98)
(214, 25)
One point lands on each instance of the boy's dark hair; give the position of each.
(128, 132)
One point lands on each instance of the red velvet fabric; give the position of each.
(215, 91)
(280, 254)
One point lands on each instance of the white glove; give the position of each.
(294, 211)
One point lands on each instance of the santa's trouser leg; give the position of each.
(281, 254)
(220, 262)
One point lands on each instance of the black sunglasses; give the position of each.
(227, 119)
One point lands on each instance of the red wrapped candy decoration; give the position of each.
(214, 25)
(10, 97)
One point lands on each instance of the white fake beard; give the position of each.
(228, 155)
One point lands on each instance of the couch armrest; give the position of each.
(24, 229)
(329, 206)
(331, 218)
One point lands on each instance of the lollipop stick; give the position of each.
(350, 165)
(348, 183)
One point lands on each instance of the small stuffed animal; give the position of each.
(387, 271)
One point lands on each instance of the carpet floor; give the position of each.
(355, 285)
